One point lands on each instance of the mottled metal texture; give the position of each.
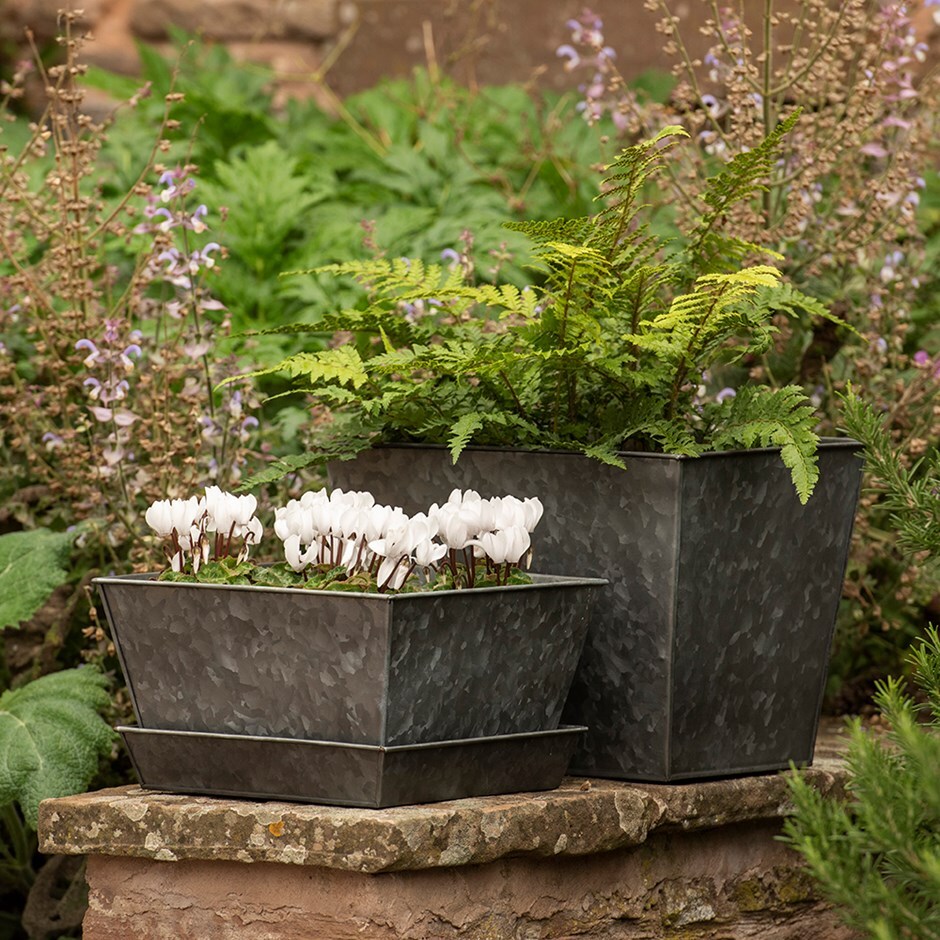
(708, 651)
(356, 668)
(337, 774)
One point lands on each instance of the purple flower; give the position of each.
(725, 394)
(874, 149)
(448, 254)
(196, 222)
(571, 54)
(168, 221)
(173, 189)
(921, 358)
(93, 354)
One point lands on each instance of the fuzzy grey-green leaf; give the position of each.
(32, 566)
(51, 737)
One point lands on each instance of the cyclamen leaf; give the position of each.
(51, 737)
(32, 566)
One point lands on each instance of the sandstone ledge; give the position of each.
(580, 818)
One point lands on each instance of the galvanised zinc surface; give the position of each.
(358, 668)
(348, 774)
(708, 651)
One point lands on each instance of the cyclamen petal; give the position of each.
(292, 553)
(392, 572)
(159, 518)
(532, 512)
(428, 553)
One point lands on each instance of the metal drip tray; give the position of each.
(331, 772)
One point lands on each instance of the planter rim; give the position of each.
(828, 443)
(373, 748)
(540, 580)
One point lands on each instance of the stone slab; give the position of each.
(582, 817)
(733, 883)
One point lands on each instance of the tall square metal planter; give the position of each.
(368, 669)
(708, 652)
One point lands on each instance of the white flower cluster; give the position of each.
(351, 530)
(204, 527)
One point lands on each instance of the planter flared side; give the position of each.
(502, 662)
(751, 667)
(340, 667)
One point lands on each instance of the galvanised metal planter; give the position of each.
(372, 669)
(265, 768)
(708, 652)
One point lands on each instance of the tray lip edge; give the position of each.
(560, 732)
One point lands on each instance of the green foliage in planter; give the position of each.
(336, 578)
(606, 354)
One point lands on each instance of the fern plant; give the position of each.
(607, 354)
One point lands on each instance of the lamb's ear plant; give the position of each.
(610, 352)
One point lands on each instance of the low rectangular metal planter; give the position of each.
(266, 768)
(374, 669)
(708, 652)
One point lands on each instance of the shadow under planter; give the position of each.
(708, 652)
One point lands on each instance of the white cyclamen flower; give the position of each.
(507, 545)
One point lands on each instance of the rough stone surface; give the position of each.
(582, 817)
(734, 883)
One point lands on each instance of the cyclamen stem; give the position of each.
(384, 586)
(231, 535)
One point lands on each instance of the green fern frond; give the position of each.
(782, 417)
(787, 299)
(539, 232)
(606, 453)
(278, 469)
(635, 165)
(622, 190)
(742, 178)
(461, 433)
(393, 277)
(341, 365)
(705, 319)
